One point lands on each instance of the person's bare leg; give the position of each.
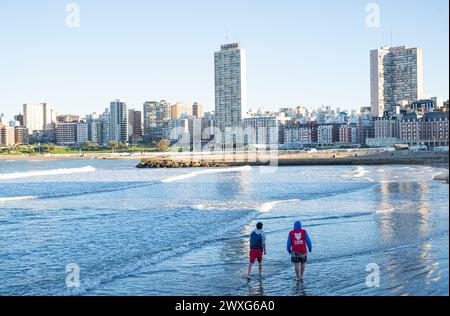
(297, 272)
(303, 271)
(260, 269)
(250, 266)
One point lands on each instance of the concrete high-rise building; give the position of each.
(19, 118)
(82, 133)
(207, 126)
(94, 127)
(95, 131)
(38, 117)
(299, 135)
(72, 133)
(6, 135)
(66, 134)
(197, 110)
(135, 125)
(327, 134)
(105, 120)
(396, 76)
(180, 110)
(195, 134)
(261, 130)
(230, 92)
(156, 116)
(118, 125)
(21, 136)
(348, 134)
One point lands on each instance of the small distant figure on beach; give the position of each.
(257, 248)
(298, 244)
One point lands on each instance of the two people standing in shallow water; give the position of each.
(298, 245)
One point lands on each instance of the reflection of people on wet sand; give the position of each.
(298, 244)
(256, 289)
(257, 247)
(299, 289)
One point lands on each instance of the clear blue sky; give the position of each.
(298, 52)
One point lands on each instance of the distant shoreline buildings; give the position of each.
(398, 115)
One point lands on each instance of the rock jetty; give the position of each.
(298, 159)
(442, 177)
(173, 164)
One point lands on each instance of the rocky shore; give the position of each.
(173, 164)
(208, 161)
(442, 177)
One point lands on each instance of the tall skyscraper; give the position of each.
(396, 76)
(230, 91)
(105, 120)
(135, 125)
(156, 115)
(38, 116)
(95, 128)
(19, 118)
(118, 122)
(197, 110)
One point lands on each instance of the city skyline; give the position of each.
(64, 73)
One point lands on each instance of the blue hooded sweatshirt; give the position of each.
(298, 225)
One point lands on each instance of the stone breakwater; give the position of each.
(173, 164)
(211, 161)
(442, 177)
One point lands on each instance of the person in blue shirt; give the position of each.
(257, 248)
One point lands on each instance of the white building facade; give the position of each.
(396, 76)
(38, 116)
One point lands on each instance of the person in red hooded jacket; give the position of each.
(298, 244)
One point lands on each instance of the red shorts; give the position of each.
(256, 254)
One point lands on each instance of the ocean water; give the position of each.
(185, 232)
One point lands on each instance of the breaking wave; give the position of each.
(360, 172)
(242, 205)
(54, 172)
(17, 198)
(202, 172)
(102, 190)
(267, 207)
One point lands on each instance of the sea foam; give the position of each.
(17, 198)
(360, 172)
(202, 172)
(40, 173)
(267, 207)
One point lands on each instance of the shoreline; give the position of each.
(437, 159)
(224, 208)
